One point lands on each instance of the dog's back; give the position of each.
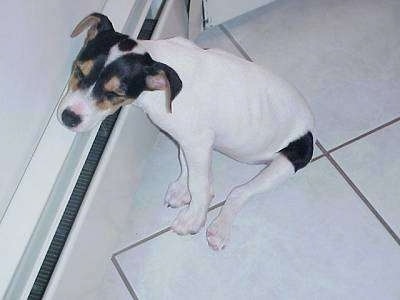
(252, 112)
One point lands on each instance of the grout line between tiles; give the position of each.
(318, 157)
(124, 278)
(359, 193)
(118, 267)
(146, 239)
(364, 135)
(234, 42)
(158, 233)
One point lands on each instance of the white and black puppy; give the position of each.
(206, 100)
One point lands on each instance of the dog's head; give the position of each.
(110, 71)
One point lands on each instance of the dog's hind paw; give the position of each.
(218, 234)
(177, 195)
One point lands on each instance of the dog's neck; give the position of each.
(151, 102)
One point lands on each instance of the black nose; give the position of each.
(70, 119)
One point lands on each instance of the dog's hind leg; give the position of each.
(286, 163)
(278, 171)
(178, 191)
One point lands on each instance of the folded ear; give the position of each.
(160, 76)
(95, 22)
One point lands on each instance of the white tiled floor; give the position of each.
(313, 237)
(294, 243)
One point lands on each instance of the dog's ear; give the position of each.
(95, 22)
(160, 76)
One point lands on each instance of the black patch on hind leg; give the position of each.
(300, 151)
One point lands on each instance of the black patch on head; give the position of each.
(100, 45)
(98, 50)
(129, 69)
(300, 151)
(126, 45)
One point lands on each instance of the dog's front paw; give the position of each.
(218, 233)
(177, 195)
(188, 221)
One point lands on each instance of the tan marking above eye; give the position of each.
(113, 85)
(104, 104)
(85, 66)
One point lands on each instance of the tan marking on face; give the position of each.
(104, 104)
(116, 103)
(113, 84)
(73, 83)
(85, 66)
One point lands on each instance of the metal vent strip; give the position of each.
(79, 192)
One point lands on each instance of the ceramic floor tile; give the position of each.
(373, 165)
(311, 238)
(344, 56)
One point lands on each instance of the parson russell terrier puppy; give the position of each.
(206, 100)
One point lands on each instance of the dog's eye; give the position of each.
(78, 73)
(113, 94)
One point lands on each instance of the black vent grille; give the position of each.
(72, 208)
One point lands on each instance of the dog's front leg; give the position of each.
(178, 192)
(198, 158)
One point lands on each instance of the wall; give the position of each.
(35, 58)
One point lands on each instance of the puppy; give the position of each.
(206, 100)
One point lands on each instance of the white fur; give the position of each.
(178, 192)
(116, 53)
(230, 105)
(226, 104)
(82, 104)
